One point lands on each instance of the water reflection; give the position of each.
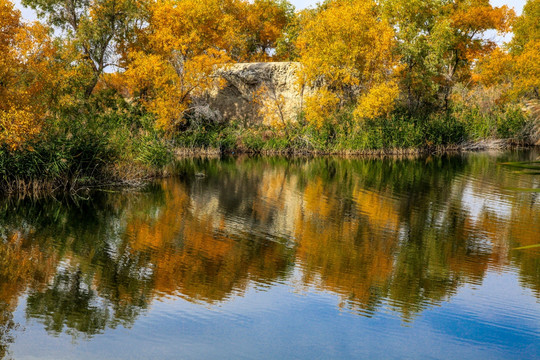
(405, 232)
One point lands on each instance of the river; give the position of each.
(281, 258)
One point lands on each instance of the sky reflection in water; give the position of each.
(281, 258)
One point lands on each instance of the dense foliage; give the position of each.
(100, 89)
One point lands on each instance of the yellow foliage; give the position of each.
(347, 49)
(17, 126)
(187, 40)
(471, 20)
(26, 76)
(494, 67)
(346, 45)
(320, 106)
(263, 23)
(517, 73)
(527, 66)
(378, 101)
(271, 106)
(481, 15)
(9, 24)
(526, 27)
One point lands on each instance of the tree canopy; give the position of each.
(370, 57)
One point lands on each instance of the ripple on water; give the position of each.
(305, 258)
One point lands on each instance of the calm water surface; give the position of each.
(281, 258)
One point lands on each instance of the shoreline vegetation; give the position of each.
(135, 174)
(479, 146)
(113, 95)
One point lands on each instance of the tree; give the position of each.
(26, 75)
(264, 24)
(526, 47)
(438, 43)
(526, 27)
(346, 53)
(516, 68)
(96, 28)
(186, 41)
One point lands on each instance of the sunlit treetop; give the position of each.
(347, 51)
(518, 69)
(265, 23)
(439, 41)
(527, 27)
(28, 72)
(9, 22)
(97, 28)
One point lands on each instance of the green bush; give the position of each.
(399, 131)
(87, 144)
(153, 152)
(82, 147)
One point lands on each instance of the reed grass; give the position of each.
(108, 141)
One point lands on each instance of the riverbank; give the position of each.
(136, 175)
(123, 148)
(131, 176)
(396, 135)
(482, 145)
(86, 150)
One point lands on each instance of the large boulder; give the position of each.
(533, 107)
(258, 93)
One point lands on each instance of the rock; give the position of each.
(204, 114)
(258, 93)
(533, 108)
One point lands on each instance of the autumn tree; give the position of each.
(346, 53)
(96, 28)
(515, 66)
(438, 43)
(526, 27)
(27, 73)
(186, 41)
(264, 24)
(525, 46)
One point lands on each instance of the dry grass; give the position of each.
(533, 108)
(483, 145)
(183, 152)
(129, 175)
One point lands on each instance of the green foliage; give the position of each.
(87, 147)
(527, 27)
(400, 131)
(98, 30)
(438, 42)
(153, 151)
(506, 122)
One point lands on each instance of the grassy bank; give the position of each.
(109, 142)
(94, 145)
(398, 134)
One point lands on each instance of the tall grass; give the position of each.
(103, 142)
(398, 133)
(107, 140)
(533, 107)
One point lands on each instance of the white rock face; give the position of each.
(533, 107)
(258, 93)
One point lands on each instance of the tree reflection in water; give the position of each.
(402, 232)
